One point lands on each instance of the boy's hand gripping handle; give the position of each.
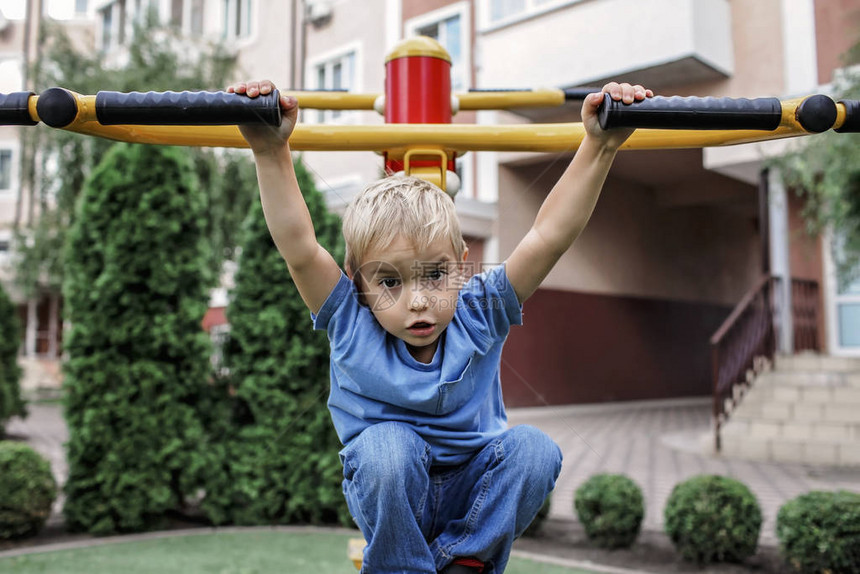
(815, 114)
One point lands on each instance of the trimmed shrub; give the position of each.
(11, 403)
(820, 532)
(136, 292)
(540, 518)
(27, 489)
(279, 447)
(611, 508)
(713, 519)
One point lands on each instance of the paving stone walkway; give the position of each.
(657, 444)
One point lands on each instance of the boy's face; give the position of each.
(412, 292)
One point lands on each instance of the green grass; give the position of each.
(253, 552)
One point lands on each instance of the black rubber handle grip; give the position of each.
(677, 113)
(186, 109)
(851, 125)
(577, 94)
(14, 109)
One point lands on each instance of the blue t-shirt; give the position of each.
(454, 402)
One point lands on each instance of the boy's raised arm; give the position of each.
(312, 267)
(566, 210)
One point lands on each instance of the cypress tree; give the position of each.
(281, 463)
(11, 403)
(135, 289)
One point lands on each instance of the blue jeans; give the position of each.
(418, 518)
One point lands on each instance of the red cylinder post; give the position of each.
(417, 87)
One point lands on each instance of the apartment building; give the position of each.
(19, 203)
(678, 236)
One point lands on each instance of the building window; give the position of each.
(501, 12)
(107, 26)
(81, 7)
(5, 170)
(335, 74)
(187, 16)
(847, 296)
(237, 19)
(450, 27)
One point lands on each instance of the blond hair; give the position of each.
(399, 205)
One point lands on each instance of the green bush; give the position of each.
(540, 518)
(138, 366)
(819, 532)
(611, 508)
(11, 403)
(27, 490)
(277, 442)
(713, 519)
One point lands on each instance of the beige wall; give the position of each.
(664, 226)
(758, 47)
(638, 245)
(268, 52)
(584, 42)
(358, 24)
(837, 25)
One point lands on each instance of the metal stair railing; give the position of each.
(745, 344)
(742, 347)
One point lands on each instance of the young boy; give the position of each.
(432, 475)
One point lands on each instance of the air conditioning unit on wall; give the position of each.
(318, 12)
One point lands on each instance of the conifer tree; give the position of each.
(281, 462)
(135, 288)
(11, 403)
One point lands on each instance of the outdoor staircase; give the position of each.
(805, 410)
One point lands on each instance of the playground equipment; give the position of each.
(418, 136)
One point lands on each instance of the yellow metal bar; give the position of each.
(334, 100)
(31, 107)
(841, 115)
(506, 100)
(194, 136)
(500, 100)
(398, 138)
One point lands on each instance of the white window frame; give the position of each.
(228, 21)
(459, 74)
(14, 175)
(336, 117)
(832, 300)
(531, 9)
